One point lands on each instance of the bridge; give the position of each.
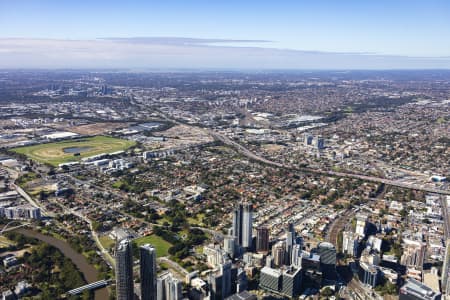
(90, 286)
(6, 229)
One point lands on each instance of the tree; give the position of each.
(387, 288)
(86, 295)
(327, 292)
(96, 226)
(42, 195)
(403, 213)
(51, 172)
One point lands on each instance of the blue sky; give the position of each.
(394, 28)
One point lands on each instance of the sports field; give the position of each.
(73, 150)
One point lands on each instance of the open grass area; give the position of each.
(64, 151)
(25, 178)
(198, 220)
(106, 241)
(162, 220)
(199, 250)
(162, 246)
(5, 242)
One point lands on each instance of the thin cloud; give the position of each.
(170, 53)
(179, 40)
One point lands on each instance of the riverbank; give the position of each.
(89, 272)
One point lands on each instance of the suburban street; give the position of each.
(244, 151)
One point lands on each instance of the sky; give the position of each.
(314, 34)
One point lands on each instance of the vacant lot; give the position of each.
(97, 128)
(107, 242)
(73, 150)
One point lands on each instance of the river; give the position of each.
(89, 272)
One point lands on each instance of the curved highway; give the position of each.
(244, 151)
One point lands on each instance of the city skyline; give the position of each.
(174, 185)
(225, 150)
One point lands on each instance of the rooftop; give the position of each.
(414, 287)
(271, 272)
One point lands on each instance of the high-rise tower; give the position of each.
(247, 220)
(290, 241)
(296, 256)
(278, 253)
(148, 272)
(262, 239)
(242, 224)
(237, 221)
(124, 270)
(168, 287)
(327, 253)
(446, 269)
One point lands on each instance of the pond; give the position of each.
(77, 149)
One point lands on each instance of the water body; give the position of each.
(76, 149)
(89, 272)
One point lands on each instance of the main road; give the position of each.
(445, 217)
(337, 226)
(244, 151)
(29, 199)
(94, 234)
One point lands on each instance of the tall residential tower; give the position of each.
(124, 270)
(262, 240)
(148, 272)
(242, 225)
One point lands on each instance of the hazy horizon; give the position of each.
(294, 35)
